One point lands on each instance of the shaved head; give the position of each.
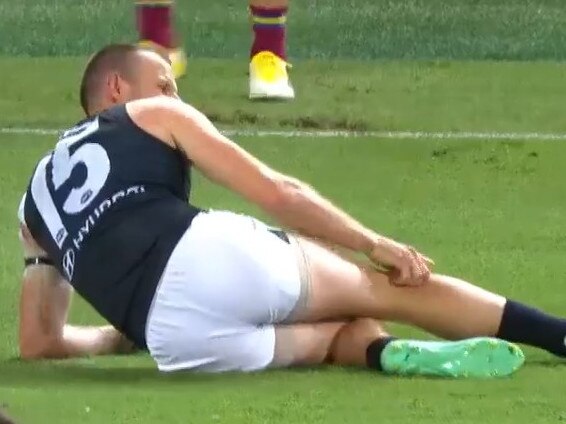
(122, 72)
(113, 59)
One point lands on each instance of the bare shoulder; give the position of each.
(159, 115)
(151, 116)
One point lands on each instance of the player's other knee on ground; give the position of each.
(304, 344)
(351, 342)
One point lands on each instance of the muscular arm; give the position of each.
(44, 305)
(292, 203)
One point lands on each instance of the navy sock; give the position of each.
(374, 350)
(524, 324)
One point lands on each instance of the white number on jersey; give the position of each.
(92, 156)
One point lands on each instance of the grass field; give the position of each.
(489, 211)
(376, 29)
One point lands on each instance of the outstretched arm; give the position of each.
(44, 306)
(291, 202)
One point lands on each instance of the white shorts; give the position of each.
(226, 284)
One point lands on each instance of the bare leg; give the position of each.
(304, 344)
(339, 343)
(446, 306)
(351, 342)
(364, 343)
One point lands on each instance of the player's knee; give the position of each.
(351, 342)
(305, 344)
(320, 342)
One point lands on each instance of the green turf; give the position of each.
(462, 29)
(430, 96)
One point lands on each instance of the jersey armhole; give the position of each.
(125, 116)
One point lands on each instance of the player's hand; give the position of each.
(405, 266)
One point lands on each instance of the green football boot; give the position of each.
(482, 357)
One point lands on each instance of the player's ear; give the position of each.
(114, 85)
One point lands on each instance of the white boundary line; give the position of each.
(401, 135)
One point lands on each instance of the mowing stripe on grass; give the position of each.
(401, 135)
